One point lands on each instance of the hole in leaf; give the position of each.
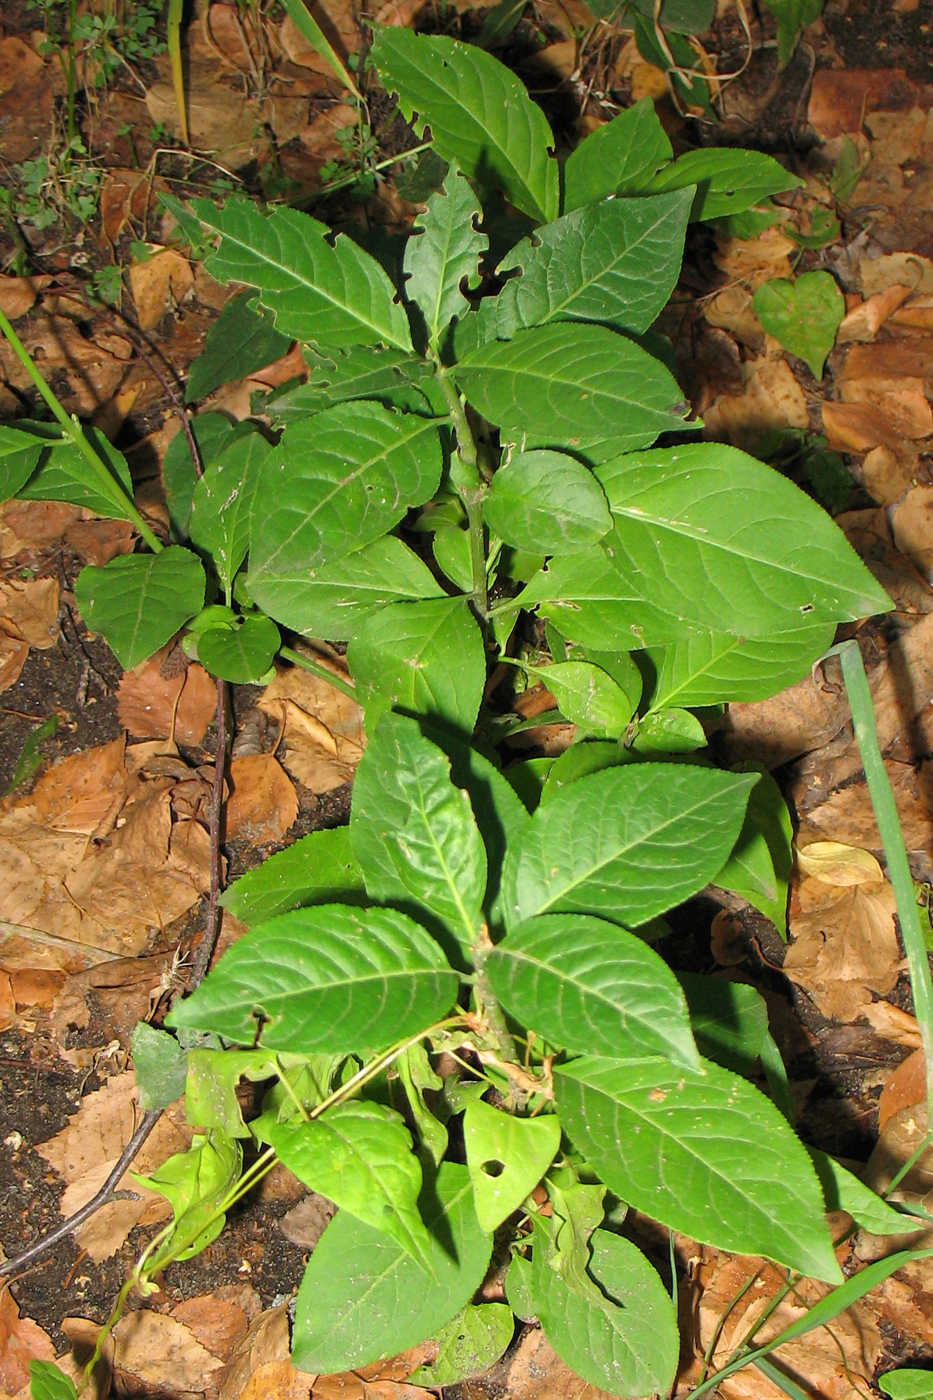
(493, 1167)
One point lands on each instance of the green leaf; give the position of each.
(707, 668)
(20, 452)
(587, 985)
(729, 1021)
(679, 16)
(424, 657)
(64, 475)
(587, 696)
(906, 1383)
(299, 13)
(138, 601)
(48, 1382)
(212, 1082)
(327, 978)
(242, 653)
(316, 869)
(469, 1344)
(546, 501)
(161, 1066)
(622, 1335)
(792, 17)
(804, 315)
(333, 600)
(377, 372)
(363, 1297)
(572, 386)
(444, 256)
(31, 757)
(240, 340)
(196, 1184)
(616, 263)
(417, 1075)
(500, 813)
(480, 115)
(588, 756)
(759, 867)
(317, 287)
(724, 542)
(506, 1157)
(222, 501)
(844, 1191)
(669, 732)
(212, 432)
(727, 181)
(414, 833)
(627, 843)
(704, 1153)
(617, 158)
(359, 1155)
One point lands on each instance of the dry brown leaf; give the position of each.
(85, 791)
(26, 96)
(159, 700)
(904, 1088)
(533, 1371)
(13, 654)
(833, 863)
(323, 727)
(857, 427)
(841, 98)
(159, 1351)
(99, 541)
(7, 1001)
(844, 945)
(887, 475)
(18, 294)
(21, 1341)
(803, 717)
(732, 309)
(340, 23)
(912, 528)
(756, 260)
(862, 322)
(220, 1320)
(157, 284)
(35, 525)
(260, 1368)
(893, 1023)
(901, 400)
(263, 803)
(911, 270)
(916, 314)
(772, 398)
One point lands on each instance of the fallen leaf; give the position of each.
(263, 803)
(323, 727)
(887, 474)
(843, 945)
(911, 522)
(904, 1088)
(21, 1341)
(159, 1351)
(833, 863)
(157, 283)
(856, 427)
(862, 322)
(220, 1320)
(841, 98)
(154, 700)
(85, 791)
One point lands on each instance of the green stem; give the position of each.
(895, 852)
(467, 480)
(103, 477)
(316, 669)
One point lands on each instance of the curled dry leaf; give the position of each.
(21, 1341)
(844, 948)
(158, 702)
(323, 728)
(833, 863)
(157, 283)
(162, 1353)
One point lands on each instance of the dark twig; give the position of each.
(202, 958)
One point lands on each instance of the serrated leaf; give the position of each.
(730, 544)
(222, 501)
(48, 1382)
(64, 475)
(414, 833)
(729, 1021)
(335, 483)
(317, 289)
(705, 1154)
(378, 372)
(242, 653)
(622, 1337)
(615, 263)
(708, 668)
(363, 1297)
(333, 601)
(425, 657)
(469, 1344)
(588, 697)
(759, 867)
(138, 601)
(587, 985)
(626, 843)
(443, 256)
(804, 315)
(327, 978)
(844, 1191)
(160, 1063)
(20, 452)
(480, 115)
(316, 869)
(240, 340)
(546, 501)
(506, 1157)
(359, 1155)
(727, 181)
(617, 158)
(575, 386)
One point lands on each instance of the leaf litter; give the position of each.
(108, 850)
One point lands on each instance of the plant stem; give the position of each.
(103, 477)
(316, 669)
(895, 852)
(467, 479)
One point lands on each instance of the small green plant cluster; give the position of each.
(101, 40)
(467, 470)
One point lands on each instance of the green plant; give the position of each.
(470, 467)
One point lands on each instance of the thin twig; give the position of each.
(202, 958)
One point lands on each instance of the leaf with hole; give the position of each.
(377, 372)
(363, 1297)
(442, 255)
(572, 386)
(626, 843)
(587, 985)
(480, 115)
(506, 1157)
(138, 602)
(326, 978)
(360, 1156)
(705, 1153)
(317, 287)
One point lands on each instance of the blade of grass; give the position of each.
(173, 34)
(308, 26)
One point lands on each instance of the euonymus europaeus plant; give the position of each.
(469, 476)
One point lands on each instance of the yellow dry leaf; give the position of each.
(834, 863)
